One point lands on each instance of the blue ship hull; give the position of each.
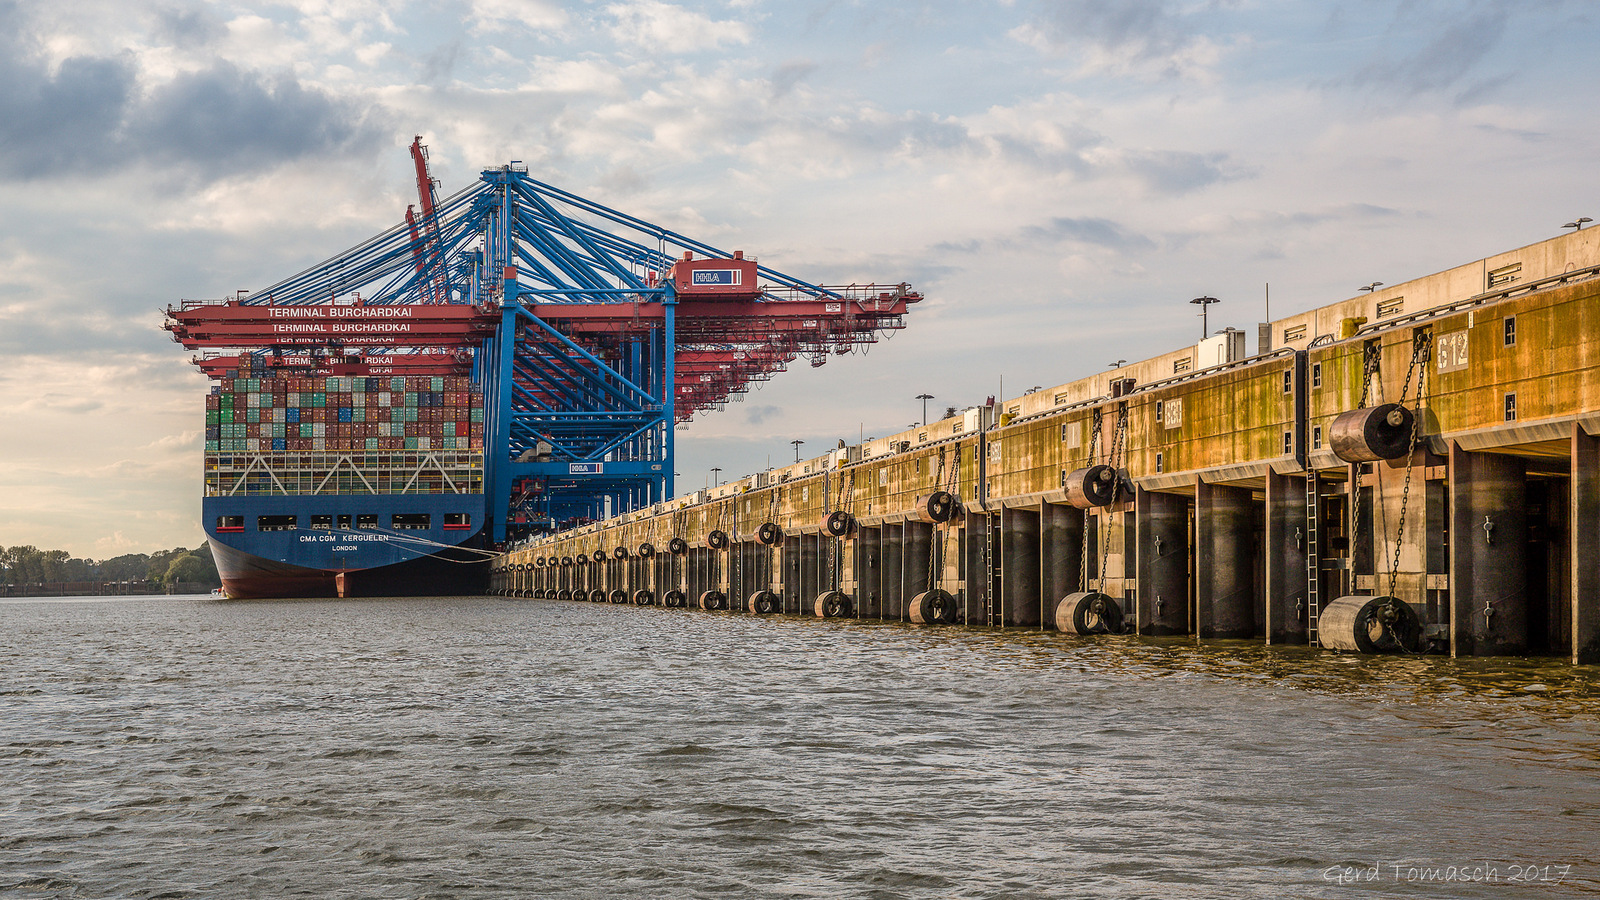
(260, 555)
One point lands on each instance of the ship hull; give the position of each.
(284, 561)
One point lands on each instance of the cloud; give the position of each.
(791, 73)
(60, 121)
(94, 112)
(757, 415)
(665, 28)
(189, 28)
(497, 15)
(1122, 36)
(223, 119)
(1098, 232)
(1451, 52)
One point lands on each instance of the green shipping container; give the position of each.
(411, 399)
(306, 430)
(211, 446)
(213, 417)
(253, 415)
(411, 443)
(477, 414)
(319, 400)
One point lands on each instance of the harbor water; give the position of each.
(490, 748)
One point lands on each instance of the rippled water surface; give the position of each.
(470, 747)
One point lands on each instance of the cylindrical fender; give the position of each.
(1371, 434)
(1370, 625)
(762, 603)
(769, 533)
(832, 605)
(937, 507)
(1088, 612)
(933, 607)
(1092, 486)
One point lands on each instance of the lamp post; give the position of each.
(1205, 305)
(797, 444)
(924, 398)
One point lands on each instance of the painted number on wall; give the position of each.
(1451, 351)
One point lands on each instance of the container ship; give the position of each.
(329, 485)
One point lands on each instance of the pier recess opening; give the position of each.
(411, 521)
(277, 523)
(230, 523)
(457, 520)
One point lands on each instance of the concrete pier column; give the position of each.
(1225, 602)
(868, 563)
(1488, 554)
(1285, 545)
(914, 567)
(810, 556)
(976, 585)
(1584, 535)
(699, 570)
(788, 575)
(1163, 526)
(1060, 553)
(1019, 556)
(891, 599)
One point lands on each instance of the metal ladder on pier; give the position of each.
(989, 617)
(1313, 556)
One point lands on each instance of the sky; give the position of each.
(1058, 178)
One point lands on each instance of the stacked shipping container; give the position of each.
(281, 413)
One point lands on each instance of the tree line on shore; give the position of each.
(27, 564)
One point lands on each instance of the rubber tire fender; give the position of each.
(933, 607)
(832, 605)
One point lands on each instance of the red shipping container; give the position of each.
(213, 401)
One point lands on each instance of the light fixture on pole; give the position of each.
(924, 398)
(1205, 305)
(1369, 288)
(797, 444)
(1579, 223)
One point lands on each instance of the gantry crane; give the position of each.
(592, 332)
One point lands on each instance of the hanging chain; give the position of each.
(1083, 555)
(1419, 364)
(941, 530)
(1369, 367)
(1115, 458)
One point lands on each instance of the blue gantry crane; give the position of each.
(607, 331)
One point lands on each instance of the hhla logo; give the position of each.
(716, 276)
